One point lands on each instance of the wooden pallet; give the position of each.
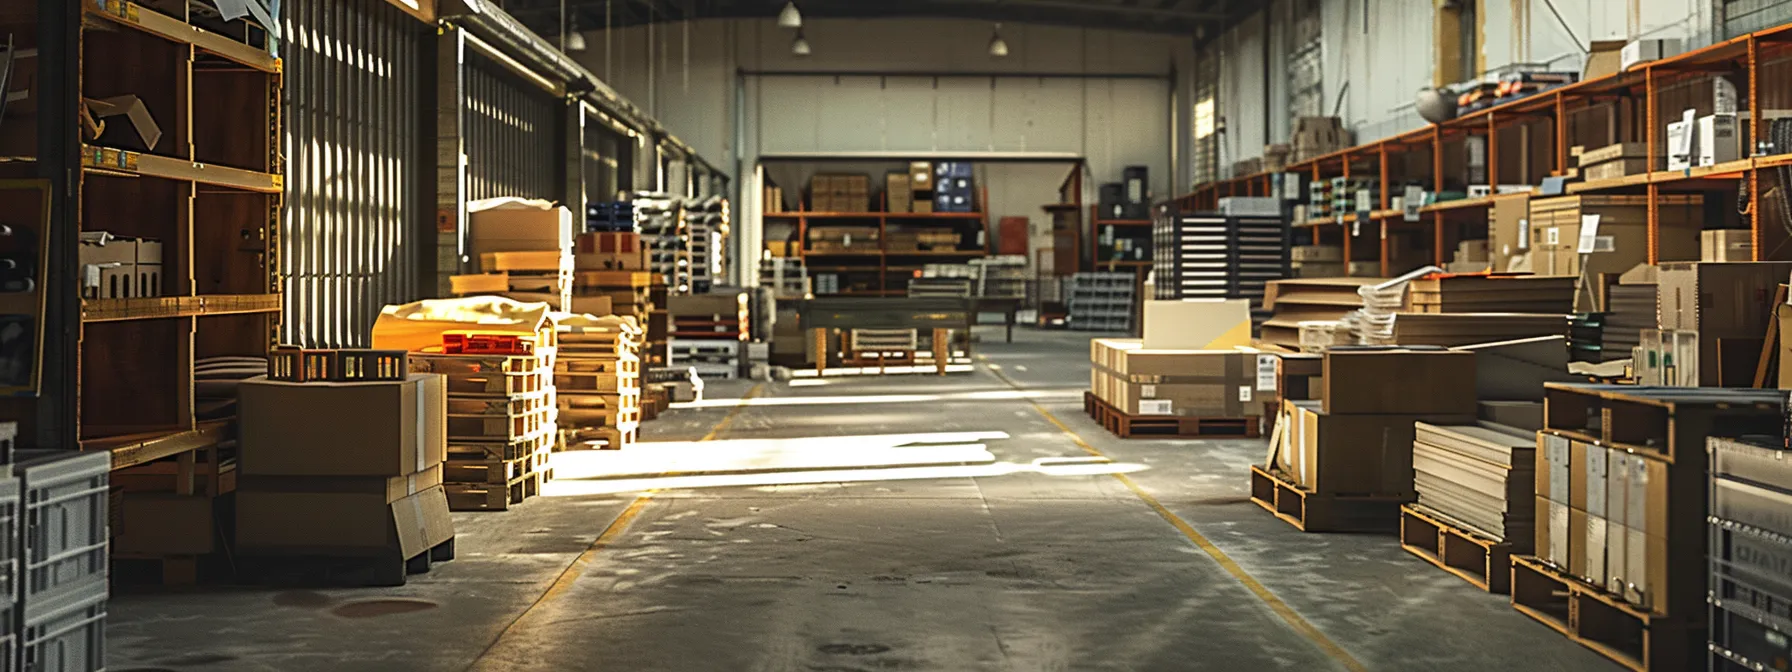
(1659, 420)
(1632, 637)
(600, 438)
(493, 471)
(482, 428)
(488, 497)
(1128, 426)
(1308, 511)
(1478, 559)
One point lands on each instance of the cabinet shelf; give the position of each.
(108, 161)
(161, 307)
(132, 15)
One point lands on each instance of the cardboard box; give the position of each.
(1726, 245)
(1592, 566)
(1577, 541)
(381, 429)
(1197, 324)
(1718, 300)
(517, 225)
(156, 523)
(591, 305)
(1416, 382)
(617, 261)
(1597, 461)
(920, 174)
(1552, 457)
(1682, 145)
(1604, 57)
(1577, 473)
(899, 192)
(1643, 51)
(126, 123)
(923, 206)
(1507, 234)
(1472, 251)
(1216, 384)
(1555, 542)
(356, 515)
(1357, 454)
(1716, 142)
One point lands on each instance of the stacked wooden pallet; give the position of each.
(501, 422)
(1475, 507)
(597, 381)
(708, 333)
(523, 250)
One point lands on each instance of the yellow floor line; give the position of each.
(1275, 604)
(573, 571)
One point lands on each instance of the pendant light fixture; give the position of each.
(799, 46)
(998, 47)
(575, 40)
(790, 17)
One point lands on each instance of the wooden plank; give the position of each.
(112, 310)
(123, 162)
(132, 451)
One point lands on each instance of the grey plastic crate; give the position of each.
(68, 635)
(65, 517)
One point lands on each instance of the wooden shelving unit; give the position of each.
(209, 190)
(891, 268)
(1631, 106)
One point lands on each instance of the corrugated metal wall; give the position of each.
(604, 162)
(1747, 16)
(353, 215)
(511, 137)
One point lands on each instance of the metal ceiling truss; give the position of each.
(1157, 16)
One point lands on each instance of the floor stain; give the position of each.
(853, 649)
(302, 598)
(197, 659)
(382, 607)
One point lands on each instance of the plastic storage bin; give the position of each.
(65, 527)
(66, 635)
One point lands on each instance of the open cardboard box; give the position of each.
(101, 119)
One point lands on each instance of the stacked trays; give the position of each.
(1751, 546)
(1101, 301)
(667, 237)
(1199, 256)
(706, 222)
(501, 422)
(59, 573)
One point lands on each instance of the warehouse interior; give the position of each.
(910, 335)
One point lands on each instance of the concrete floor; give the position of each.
(1024, 555)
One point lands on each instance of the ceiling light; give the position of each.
(998, 47)
(790, 17)
(575, 40)
(799, 46)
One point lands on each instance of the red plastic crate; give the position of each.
(464, 343)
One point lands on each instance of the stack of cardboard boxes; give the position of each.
(1357, 439)
(345, 469)
(1722, 311)
(1317, 136)
(839, 193)
(1192, 362)
(954, 190)
(523, 250)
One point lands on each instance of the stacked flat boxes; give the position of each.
(708, 227)
(1001, 277)
(708, 333)
(500, 425)
(1218, 257)
(1751, 555)
(786, 277)
(1102, 301)
(1622, 529)
(597, 383)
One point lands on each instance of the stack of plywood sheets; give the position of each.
(1482, 476)
(1492, 294)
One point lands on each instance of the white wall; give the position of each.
(1389, 57)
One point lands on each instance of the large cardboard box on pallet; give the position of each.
(164, 523)
(343, 515)
(375, 429)
(1189, 383)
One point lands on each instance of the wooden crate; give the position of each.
(1631, 637)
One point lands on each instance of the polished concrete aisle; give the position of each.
(973, 522)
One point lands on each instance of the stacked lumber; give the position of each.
(1454, 329)
(1629, 309)
(1492, 294)
(597, 382)
(1481, 476)
(1296, 300)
